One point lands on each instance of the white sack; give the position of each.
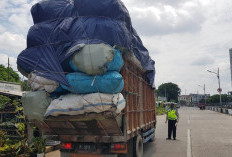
(41, 83)
(92, 58)
(73, 104)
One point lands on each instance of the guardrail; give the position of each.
(220, 109)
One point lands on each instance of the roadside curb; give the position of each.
(220, 110)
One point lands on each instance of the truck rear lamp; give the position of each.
(67, 146)
(118, 146)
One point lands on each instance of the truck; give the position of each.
(108, 134)
(202, 106)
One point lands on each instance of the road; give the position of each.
(200, 133)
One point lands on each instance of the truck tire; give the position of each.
(152, 139)
(138, 146)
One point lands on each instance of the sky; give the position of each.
(184, 37)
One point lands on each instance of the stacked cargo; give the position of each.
(74, 56)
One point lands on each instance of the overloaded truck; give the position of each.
(91, 78)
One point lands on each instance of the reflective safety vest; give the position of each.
(172, 114)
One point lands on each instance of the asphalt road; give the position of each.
(200, 133)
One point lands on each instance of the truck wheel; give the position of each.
(138, 146)
(152, 139)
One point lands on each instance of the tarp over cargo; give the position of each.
(62, 24)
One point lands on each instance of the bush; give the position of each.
(160, 110)
(3, 100)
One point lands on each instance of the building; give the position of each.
(162, 98)
(192, 99)
(196, 98)
(184, 99)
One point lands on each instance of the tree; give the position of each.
(170, 90)
(216, 98)
(13, 76)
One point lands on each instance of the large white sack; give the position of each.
(92, 59)
(73, 104)
(40, 83)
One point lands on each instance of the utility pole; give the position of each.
(204, 92)
(219, 89)
(218, 76)
(166, 94)
(8, 69)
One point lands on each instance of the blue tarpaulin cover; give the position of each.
(61, 24)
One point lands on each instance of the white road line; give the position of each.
(188, 121)
(189, 151)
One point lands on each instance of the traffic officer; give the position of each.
(172, 117)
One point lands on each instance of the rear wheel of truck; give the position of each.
(138, 146)
(152, 139)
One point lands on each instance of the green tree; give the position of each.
(170, 90)
(216, 98)
(13, 76)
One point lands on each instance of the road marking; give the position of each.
(189, 151)
(188, 121)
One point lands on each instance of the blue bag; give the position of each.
(110, 82)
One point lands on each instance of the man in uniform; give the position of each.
(172, 118)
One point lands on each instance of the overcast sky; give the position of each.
(184, 37)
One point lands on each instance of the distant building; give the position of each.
(229, 94)
(162, 98)
(196, 98)
(192, 99)
(184, 99)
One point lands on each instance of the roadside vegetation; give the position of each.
(13, 140)
(160, 111)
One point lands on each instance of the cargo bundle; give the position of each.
(78, 48)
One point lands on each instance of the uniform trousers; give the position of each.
(171, 128)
